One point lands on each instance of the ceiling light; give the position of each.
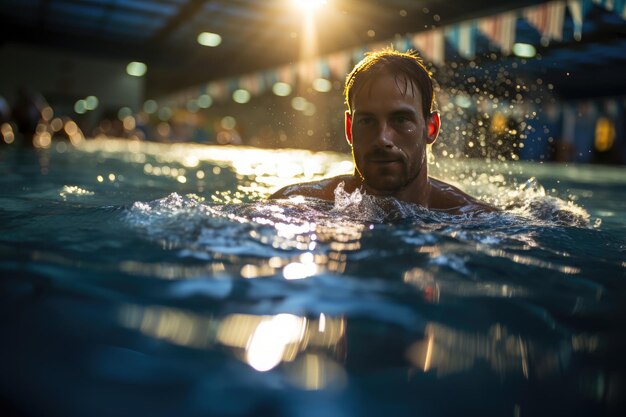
(150, 106)
(136, 69)
(281, 89)
(524, 50)
(205, 101)
(91, 102)
(241, 96)
(322, 85)
(79, 107)
(209, 39)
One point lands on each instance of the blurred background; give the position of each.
(517, 80)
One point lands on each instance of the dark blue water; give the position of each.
(129, 288)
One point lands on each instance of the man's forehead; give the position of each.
(403, 84)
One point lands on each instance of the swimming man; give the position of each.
(389, 123)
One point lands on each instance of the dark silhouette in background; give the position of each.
(26, 114)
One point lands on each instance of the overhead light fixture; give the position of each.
(150, 106)
(136, 69)
(205, 101)
(524, 50)
(124, 112)
(241, 96)
(322, 85)
(80, 106)
(209, 39)
(281, 89)
(91, 103)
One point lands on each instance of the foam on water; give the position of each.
(282, 231)
(134, 282)
(243, 228)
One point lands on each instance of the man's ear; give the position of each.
(348, 127)
(434, 124)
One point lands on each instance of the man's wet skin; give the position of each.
(389, 134)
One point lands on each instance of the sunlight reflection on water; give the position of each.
(202, 285)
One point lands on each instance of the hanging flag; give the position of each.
(547, 18)
(260, 81)
(607, 4)
(270, 77)
(500, 30)
(306, 71)
(616, 6)
(358, 54)
(339, 64)
(250, 82)
(217, 89)
(379, 46)
(322, 68)
(286, 74)
(430, 44)
(402, 44)
(576, 11)
(232, 84)
(462, 36)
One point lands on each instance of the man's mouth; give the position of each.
(383, 157)
(383, 160)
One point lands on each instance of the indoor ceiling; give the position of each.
(260, 34)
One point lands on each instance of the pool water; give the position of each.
(151, 279)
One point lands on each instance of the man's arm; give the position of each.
(446, 197)
(322, 189)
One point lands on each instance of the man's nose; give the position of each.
(384, 136)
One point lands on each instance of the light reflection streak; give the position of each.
(298, 270)
(425, 282)
(448, 351)
(266, 347)
(434, 289)
(259, 175)
(73, 190)
(314, 346)
(527, 260)
(314, 371)
(171, 271)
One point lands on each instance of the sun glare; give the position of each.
(309, 5)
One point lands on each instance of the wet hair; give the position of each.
(408, 65)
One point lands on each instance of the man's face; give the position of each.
(389, 133)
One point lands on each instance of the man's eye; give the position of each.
(365, 120)
(401, 119)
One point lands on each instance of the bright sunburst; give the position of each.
(309, 5)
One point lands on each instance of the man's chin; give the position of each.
(384, 186)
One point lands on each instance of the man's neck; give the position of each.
(416, 192)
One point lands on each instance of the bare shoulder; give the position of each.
(322, 189)
(446, 197)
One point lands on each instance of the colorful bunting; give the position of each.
(617, 6)
(431, 45)
(547, 18)
(500, 30)
(338, 64)
(576, 11)
(286, 74)
(463, 38)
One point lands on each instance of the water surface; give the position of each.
(158, 280)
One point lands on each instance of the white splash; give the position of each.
(73, 190)
(344, 200)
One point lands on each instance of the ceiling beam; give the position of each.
(185, 14)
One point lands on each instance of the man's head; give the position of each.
(406, 64)
(390, 121)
